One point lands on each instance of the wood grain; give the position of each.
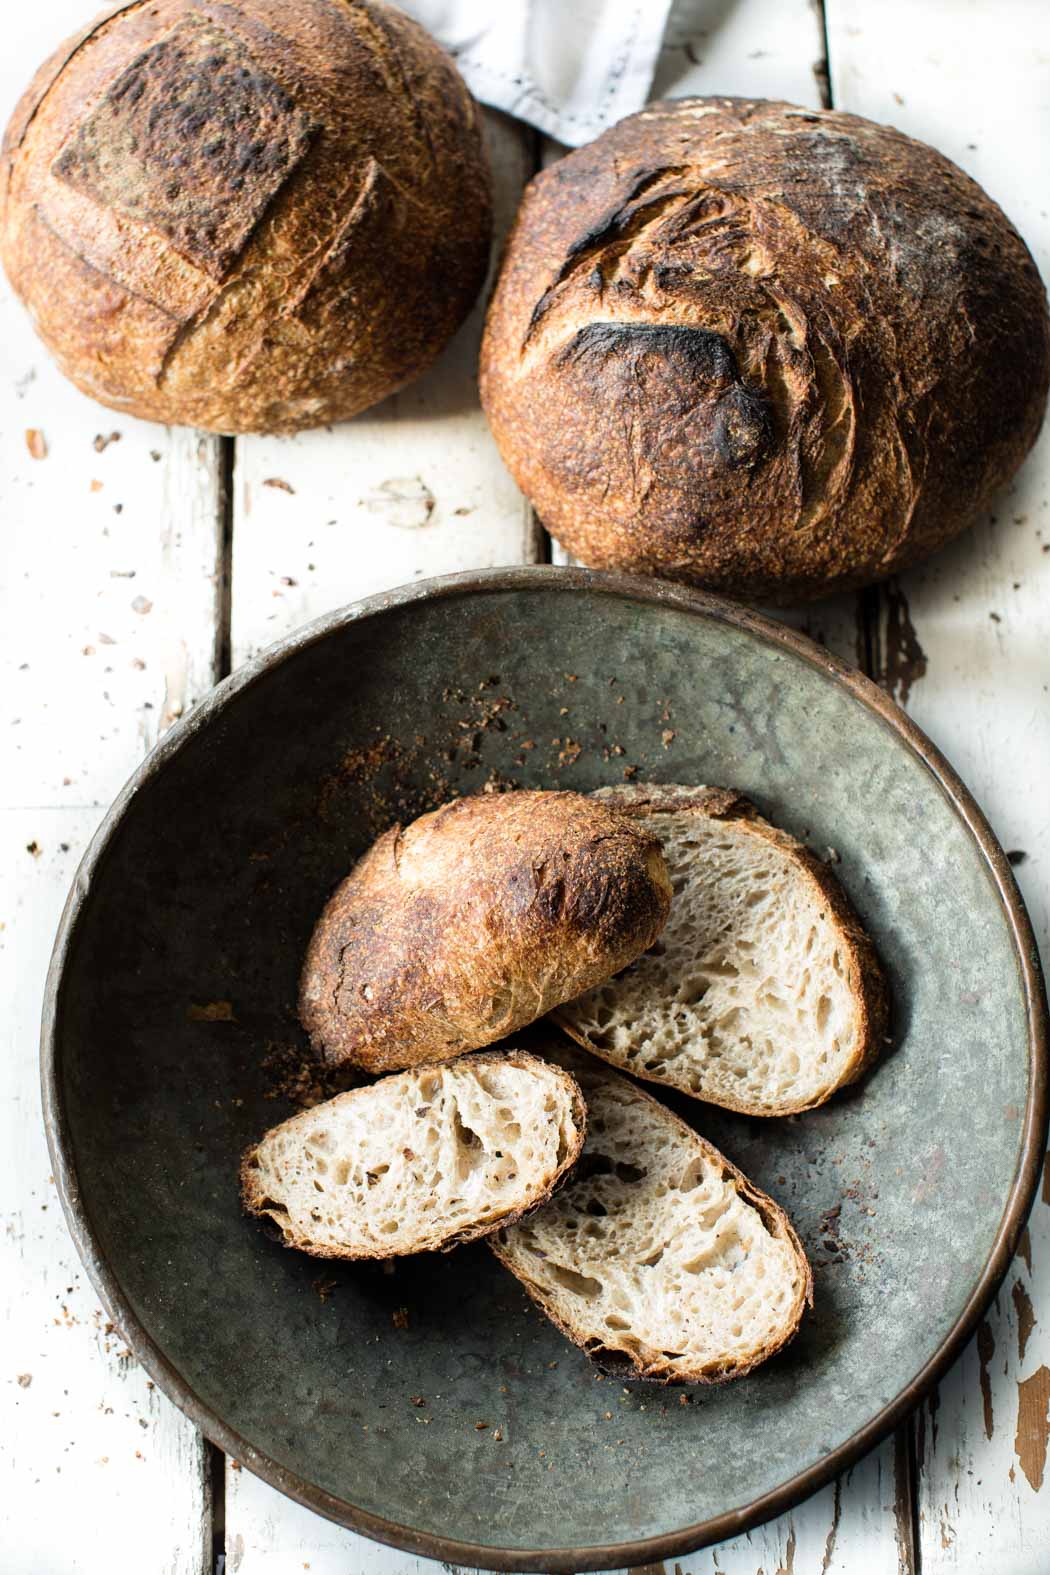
(85, 1436)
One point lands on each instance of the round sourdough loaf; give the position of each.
(251, 216)
(767, 350)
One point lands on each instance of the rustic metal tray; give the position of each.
(170, 1041)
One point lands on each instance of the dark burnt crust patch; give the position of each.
(194, 140)
(742, 422)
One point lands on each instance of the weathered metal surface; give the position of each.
(201, 889)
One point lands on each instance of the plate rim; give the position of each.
(786, 1495)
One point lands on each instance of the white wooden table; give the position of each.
(142, 563)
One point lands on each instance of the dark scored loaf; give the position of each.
(259, 215)
(772, 351)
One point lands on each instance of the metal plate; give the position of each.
(201, 888)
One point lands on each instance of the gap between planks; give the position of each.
(215, 1487)
(224, 599)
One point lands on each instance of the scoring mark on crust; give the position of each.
(112, 313)
(194, 140)
(374, 209)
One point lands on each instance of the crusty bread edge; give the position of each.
(253, 1196)
(371, 1051)
(871, 997)
(619, 1363)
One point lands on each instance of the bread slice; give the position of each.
(763, 993)
(419, 1161)
(658, 1256)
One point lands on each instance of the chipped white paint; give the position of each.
(761, 49)
(840, 1531)
(109, 582)
(269, 1534)
(972, 80)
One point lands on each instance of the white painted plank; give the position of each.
(107, 629)
(973, 80)
(268, 1533)
(109, 617)
(758, 49)
(413, 488)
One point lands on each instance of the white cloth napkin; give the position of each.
(569, 67)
